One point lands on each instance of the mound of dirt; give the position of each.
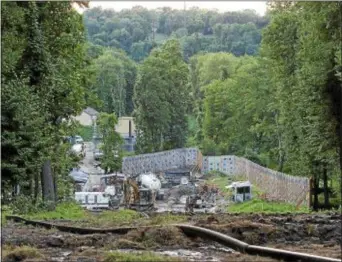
(167, 236)
(261, 229)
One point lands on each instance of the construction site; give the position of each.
(170, 181)
(161, 207)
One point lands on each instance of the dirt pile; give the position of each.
(270, 229)
(167, 236)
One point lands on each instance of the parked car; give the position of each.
(79, 176)
(98, 154)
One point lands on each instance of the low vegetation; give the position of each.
(258, 205)
(66, 210)
(165, 219)
(73, 212)
(137, 256)
(21, 253)
(86, 132)
(219, 179)
(115, 218)
(5, 211)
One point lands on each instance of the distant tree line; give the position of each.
(138, 30)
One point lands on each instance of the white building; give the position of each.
(86, 117)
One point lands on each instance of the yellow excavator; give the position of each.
(131, 192)
(137, 198)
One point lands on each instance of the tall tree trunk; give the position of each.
(36, 187)
(315, 193)
(48, 189)
(340, 122)
(325, 186)
(281, 161)
(32, 187)
(281, 157)
(315, 186)
(55, 185)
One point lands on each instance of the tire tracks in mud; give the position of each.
(190, 231)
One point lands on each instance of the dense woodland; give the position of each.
(267, 88)
(138, 30)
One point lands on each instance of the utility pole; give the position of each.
(94, 133)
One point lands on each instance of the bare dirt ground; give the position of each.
(313, 234)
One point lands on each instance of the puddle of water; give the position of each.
(189, 255)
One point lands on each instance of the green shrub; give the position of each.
(24, 204)
(5, 211)
(66, 210)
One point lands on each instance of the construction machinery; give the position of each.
(203, 197)
(140, 193)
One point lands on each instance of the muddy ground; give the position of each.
(313, 234)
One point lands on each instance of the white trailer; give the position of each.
(95, 200)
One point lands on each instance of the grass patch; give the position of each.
(137, 256)
(120, 217)
(131, 217)
(67, 210)
(258, 205)
(220, 181)
(126, 217)
(21, 253)
(127, 154)
(86, 132)
(166, 219)
(5, 211)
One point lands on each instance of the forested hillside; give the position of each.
(138, 30)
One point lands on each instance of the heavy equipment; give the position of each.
(140, 192)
